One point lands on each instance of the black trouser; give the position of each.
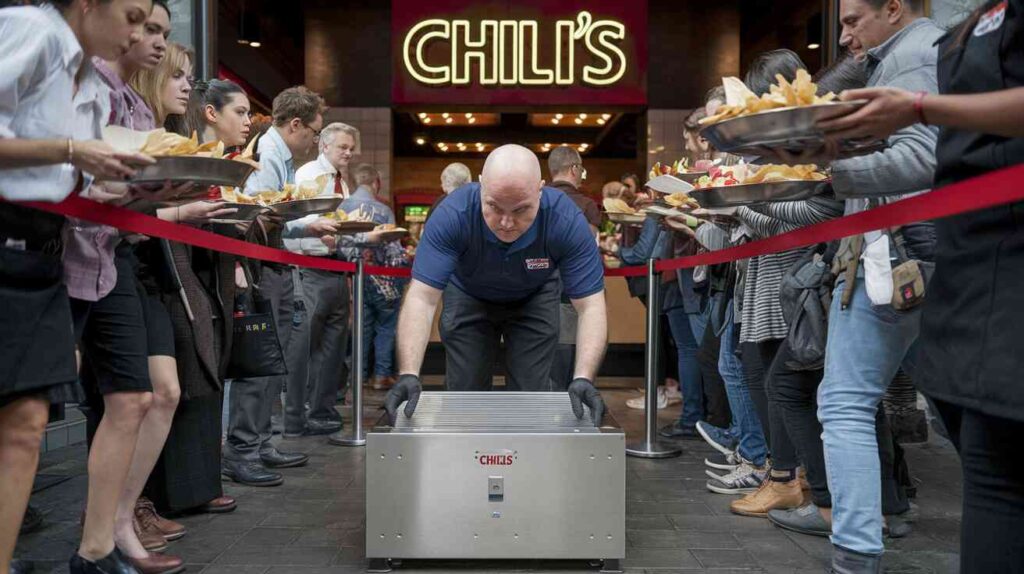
(993, 491)
(472, 330)
(762, 392)
(716, 402)
(795, 394)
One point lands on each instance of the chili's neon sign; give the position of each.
(497, 67)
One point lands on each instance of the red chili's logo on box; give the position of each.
(502, 458)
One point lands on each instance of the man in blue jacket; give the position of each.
(494, 251)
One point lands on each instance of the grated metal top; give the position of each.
(494, 412)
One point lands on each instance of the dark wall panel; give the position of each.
(693, 43)
(348, 51)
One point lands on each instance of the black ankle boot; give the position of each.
(113, 563)
(849, 562)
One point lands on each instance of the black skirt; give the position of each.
(37, 342)
(188, 472)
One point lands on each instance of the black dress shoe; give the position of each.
(21, 567)
(678, 432)
(113, 563)
(322, 426)
(274, 458)
(250, 473)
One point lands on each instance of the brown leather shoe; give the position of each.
(151, 538)
(158, 564)
(383, 383)
(219, 505)
(771, 496)
(148, 518)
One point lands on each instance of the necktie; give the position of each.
(338, 187)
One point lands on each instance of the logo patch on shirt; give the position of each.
(991, 20)
(534, 264)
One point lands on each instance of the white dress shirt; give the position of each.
(309, 172)
(40, 57)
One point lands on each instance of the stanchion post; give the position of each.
(358, 438)
(649, 447)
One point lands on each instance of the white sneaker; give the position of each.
(746, 478)
(664, 400)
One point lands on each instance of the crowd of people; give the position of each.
(782, 359)
(153, 319)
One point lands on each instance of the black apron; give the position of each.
(970, 350)
(37, 343)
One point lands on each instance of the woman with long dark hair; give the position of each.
(187, 475)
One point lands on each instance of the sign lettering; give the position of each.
(507, 52)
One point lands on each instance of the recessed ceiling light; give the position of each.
(554, 120)
(448, 120)
(813, 46)
(420, 141)
(472, 120)
(558, 116)
(255, 44)
(422, 115)
(445, 115)
(601, 121)
(578, 121)
(583, 116)
(606, 117)
(426, 120)
(469, 115)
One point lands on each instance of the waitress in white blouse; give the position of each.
(52, 108)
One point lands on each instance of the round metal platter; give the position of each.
(734, 195)
(203, 171)
(299, 208)
(788, 128)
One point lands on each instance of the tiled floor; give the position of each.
(313, 524)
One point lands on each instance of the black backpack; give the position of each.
(806, 296)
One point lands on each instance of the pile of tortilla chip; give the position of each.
(615, 205)
(740, 101)
(773, 173)
(680, 199)
(291, 192)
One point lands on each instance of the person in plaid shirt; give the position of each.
(383, 295)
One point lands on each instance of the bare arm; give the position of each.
(414, 321)
(999, 113)
(591, 335)
(17, 153)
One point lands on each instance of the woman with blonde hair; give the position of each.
(187, 476)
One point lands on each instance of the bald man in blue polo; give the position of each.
(500, 253)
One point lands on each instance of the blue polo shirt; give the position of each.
(458, 247)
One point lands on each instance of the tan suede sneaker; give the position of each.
(772, 495)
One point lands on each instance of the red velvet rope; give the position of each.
(995, 188)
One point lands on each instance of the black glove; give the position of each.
(582, 392)
(407, 388)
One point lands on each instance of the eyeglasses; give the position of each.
(583, 171)
(316, 133)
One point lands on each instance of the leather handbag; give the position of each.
(255, 348)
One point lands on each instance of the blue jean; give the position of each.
(745, 423)
(380, 318)
(866, 345)
(687, 329)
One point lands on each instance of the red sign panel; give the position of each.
(522, 53)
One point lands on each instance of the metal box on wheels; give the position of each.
(495, 475)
